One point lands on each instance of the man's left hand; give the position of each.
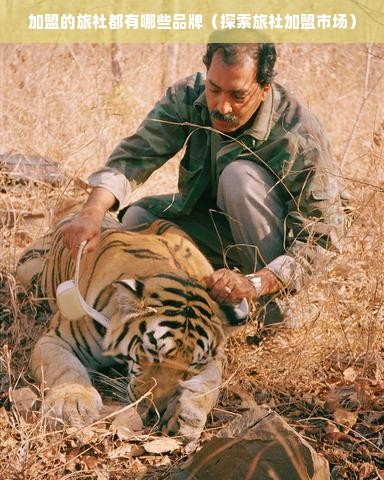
(227, 286)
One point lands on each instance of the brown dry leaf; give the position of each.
(125, 451)
(138, 468)
(377, 388)
(336, 455)
(333, 434)
(72, 459)
(331, 428)
(345, 396)
(72, 453)
(366, 470)
(127, 424)
(164, 460)
(350, 374)
(344, 417)
(86, 435)
(375, 419)
(4, 419)
(247, 400)
(162, 445)
(159, 461)
(91, 461)
(364, 452)
(23, 399)
(101, 474)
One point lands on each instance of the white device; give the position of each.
(242, 309)
(70, 301)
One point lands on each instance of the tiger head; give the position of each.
(166, 327)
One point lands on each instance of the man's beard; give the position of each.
(229, 118)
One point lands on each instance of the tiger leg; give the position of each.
(188, 410)
(71, 397)
(31, 263)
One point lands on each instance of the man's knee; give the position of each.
(136, 216)
(229, 177)
(242, 179)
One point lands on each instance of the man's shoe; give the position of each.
(270, 313)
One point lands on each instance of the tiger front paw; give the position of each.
(188, 410)
(73, 404)
(186, 415)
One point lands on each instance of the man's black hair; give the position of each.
(263, 54)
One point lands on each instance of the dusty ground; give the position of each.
(324, 371)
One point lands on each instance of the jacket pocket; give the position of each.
(188, 180)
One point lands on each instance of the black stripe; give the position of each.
(171, 351)
(190, 313)
(34, 253)
(100, 329)
(190, 296)
(155, 353)
(201, 331)
(183, 281)
(164, 226)
(134, 339)
(103, 298)
(171, 324)
(171, 313)
(120, 358)
(79, 346)
(144, 253)
(122, 335)
(109, 246)
(166, 335)
(205, 314)
(173, 303)
(88, 335)
(152, 338)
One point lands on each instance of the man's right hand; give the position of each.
(82, 227)
(86, 225)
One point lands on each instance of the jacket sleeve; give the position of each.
(161, 135)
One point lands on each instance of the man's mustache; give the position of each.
(228, 117)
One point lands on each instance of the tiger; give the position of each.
(164, 328)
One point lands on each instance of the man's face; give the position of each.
(232, 92)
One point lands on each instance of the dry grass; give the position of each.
(72, 104)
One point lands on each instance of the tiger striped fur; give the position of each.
(164, 326)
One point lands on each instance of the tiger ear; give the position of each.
(236, 314)
(128, 292)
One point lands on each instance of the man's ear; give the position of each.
(265, 89)
(128, 292)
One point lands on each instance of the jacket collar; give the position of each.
(261, 127)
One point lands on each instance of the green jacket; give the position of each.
(284, 137)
